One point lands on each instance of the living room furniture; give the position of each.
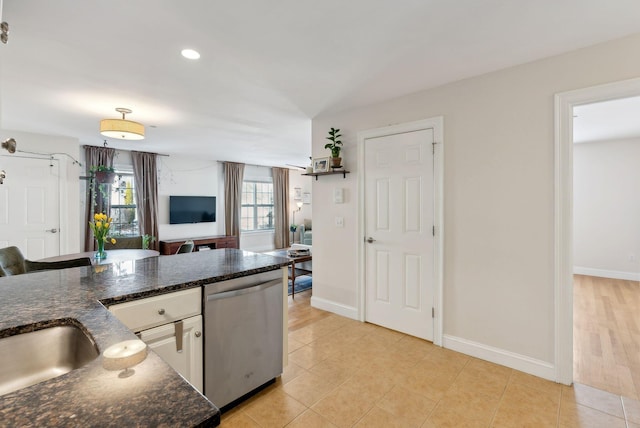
(306, 237)
(124, 242)
(293, 270)
(170, 246)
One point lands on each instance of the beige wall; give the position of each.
(606, 208)
(189, 176)
(498, 195)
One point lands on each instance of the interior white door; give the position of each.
(399, 219)
(29, 206)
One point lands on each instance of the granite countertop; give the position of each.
(92, 396)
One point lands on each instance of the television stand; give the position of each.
(170, 246)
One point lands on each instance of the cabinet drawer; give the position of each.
(153, 311)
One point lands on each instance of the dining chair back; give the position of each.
(31, 266)
(187, 247)
(11, 261)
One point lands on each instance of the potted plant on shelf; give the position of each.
(335, 147)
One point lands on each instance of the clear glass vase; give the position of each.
(101, 253)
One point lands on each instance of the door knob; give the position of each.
(370, 240)
(52, 230)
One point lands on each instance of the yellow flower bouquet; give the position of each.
(100, 228)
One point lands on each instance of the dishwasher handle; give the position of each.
(242, 291)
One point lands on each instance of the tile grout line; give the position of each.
(504, 391)
(624, 413)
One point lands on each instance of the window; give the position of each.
(257, 206)
(123, 206)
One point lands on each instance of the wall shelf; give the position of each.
(317, 174)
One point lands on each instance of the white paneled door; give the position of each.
(29, 211)
(399, 218)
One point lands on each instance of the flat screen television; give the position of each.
(192, 209)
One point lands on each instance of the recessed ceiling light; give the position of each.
(190, 54)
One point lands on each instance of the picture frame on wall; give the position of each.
(321, 164)
(297, 193)
(306, 198)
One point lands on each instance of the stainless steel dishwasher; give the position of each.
(243, 327)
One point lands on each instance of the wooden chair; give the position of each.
(31, 266)
(11, 261)
(187, 247)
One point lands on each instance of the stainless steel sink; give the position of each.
(30, 358)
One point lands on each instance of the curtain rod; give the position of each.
(123, 150)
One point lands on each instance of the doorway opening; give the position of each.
(563, 207)
(606, 235)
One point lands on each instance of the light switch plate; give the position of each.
(338, 195)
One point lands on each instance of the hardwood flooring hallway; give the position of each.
(606, 333)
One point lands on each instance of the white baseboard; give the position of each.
(630, 276)
(336, 308)
(515, 361)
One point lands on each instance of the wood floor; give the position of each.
(606, 333)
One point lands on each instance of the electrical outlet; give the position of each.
(631, 258)
(339, 221)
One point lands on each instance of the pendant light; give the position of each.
(121, 128)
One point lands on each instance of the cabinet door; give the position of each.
(188, 362)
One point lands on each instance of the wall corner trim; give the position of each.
(503, 357)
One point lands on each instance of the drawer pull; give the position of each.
(178, 325)
(161, 312)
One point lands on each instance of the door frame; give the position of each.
(563, 211)
(437, 125)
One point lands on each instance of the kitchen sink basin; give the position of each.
(33, 357)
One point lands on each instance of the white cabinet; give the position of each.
(188, 360)
(171, 324)
(146, 313)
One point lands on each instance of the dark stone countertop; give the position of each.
(92, 396)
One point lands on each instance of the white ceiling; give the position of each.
(267, 67)
(608, 120)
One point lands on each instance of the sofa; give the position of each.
(305, 232)
(124, 242)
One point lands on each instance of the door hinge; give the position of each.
(433, 312)
(433, 230)
(433, 148)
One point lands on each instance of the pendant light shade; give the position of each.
(121, 128)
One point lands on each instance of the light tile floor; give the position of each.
(343, 373)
